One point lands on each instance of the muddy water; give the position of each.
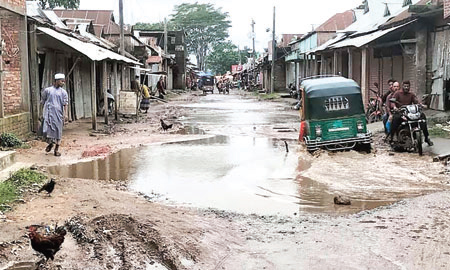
(250, 173)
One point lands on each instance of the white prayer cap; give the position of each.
(60, 76)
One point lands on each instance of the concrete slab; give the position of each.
(7, 158)
(8, 171)
(441, 146)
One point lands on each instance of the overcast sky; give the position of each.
(292, 16)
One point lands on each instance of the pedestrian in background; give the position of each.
(54, 99)
(145, 102)
(160, 87)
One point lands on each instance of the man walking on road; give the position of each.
(54, 99)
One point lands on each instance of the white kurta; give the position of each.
(54, 100)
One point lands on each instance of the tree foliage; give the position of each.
(222, 56)
(205, 26)
(71, 4)
(154, 26)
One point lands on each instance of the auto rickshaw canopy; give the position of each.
(331, 97)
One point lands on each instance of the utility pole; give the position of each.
(119, 85)
(166, 53)
(253, 52)
(274, 53)
(253, 37)
(122, 41)
(239, 51)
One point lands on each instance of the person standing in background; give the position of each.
(55, 100)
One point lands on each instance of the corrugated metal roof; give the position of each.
(363, 40)
(83, 29)
(34, 9)
(90, 50)
(339, 37)
(403, 16)
(365, 29)
(55, 19)
(103, 20)
(154, 59)
(371, 20)
(337, 22)
(97, 16)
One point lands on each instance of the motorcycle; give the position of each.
(101, 108)
(292, 91)
(409, 133)
(228, 86)
(374, 111)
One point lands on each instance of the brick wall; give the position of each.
(446, 9)
(18, 124)
(11, 25)
(18, 6)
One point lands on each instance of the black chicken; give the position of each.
(47, 245)
(165, 126)
(49, 186)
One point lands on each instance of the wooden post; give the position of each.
(122, 39)
(138, 92)
(274, 56)
(335, 62)
(323, 63)
(2, 110)
(421, 61)
(105, 90)
(34, 76)
(116, 91)
(364, 74)
(93, 97)
(350, 63)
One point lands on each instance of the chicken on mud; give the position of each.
(47, 245)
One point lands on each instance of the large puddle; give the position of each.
(236, 173)
(249, 174)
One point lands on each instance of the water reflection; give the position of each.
(116, 167)
(244, 174)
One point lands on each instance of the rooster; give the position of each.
(49, 186)
(165, 126)
(47, 245)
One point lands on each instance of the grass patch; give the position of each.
(438, 132)
(269, 96)
(12, 188)
(9, 141)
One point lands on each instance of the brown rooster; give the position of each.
(47, 245)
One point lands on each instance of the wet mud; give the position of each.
(397, 218)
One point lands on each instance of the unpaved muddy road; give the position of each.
(188, 204)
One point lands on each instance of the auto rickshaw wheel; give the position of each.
(366, 147)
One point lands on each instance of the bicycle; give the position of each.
(375, 110)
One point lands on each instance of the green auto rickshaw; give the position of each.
(332, 115)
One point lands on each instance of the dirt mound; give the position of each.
(122, 242)
(96, 151)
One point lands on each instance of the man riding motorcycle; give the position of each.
(405, 97)
(393, 87)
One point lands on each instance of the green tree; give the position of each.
(204, 25)
(222, 56)
(71, 4)
(154, 26)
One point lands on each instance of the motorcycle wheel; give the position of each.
(418, 139)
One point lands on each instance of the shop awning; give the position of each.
(90, 50)
(363, 40)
